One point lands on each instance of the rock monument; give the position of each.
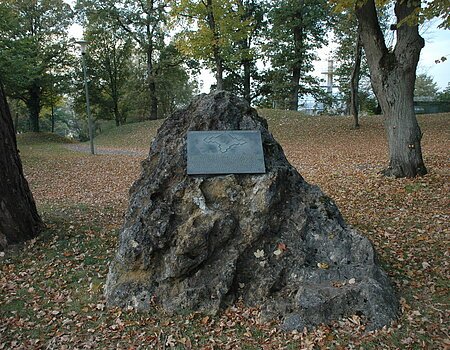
(201, 242)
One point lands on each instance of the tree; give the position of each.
(425, 87)
(298, 28)
(33, 37)
(145, 23)
(175, 88)
(393, 75)
(352, 70)
(444, 95)
(109, 62)
(222, 26)
(243, 78)
(19, 219)
(349, 57)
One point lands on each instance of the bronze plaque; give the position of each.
(225, 152)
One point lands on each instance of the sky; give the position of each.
(437, 45)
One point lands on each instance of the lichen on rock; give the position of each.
(201, 242)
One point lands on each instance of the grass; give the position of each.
(52, 287)
(134, 135)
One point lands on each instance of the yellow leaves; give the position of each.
(408, 229)
(208, 28)
(205, 320)
(323, 265)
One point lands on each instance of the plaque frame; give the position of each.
(225, 152)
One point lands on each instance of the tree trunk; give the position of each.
(53, 119)
(393, 77)
(117, 114)
(115, 100)
(403, 131)
(153, 100)
(19, 219)
(152, 93)
(34, 107)
(246, 64)
(16, 123)
(296, 70)
(219, 72)
(354, 84)
(218, 61)
(151, 78)
(247, 80)
(293, 105)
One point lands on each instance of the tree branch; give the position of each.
(371, 35)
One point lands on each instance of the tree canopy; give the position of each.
(34, 55)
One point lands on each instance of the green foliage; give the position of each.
(136, 74)
(445, 94)
(430, 9)
(174, 86)
(199, 43)
(243, 77)
(425, 87)
(145, 23)
(222, 34)
(109, 61)
(439, 9)
(34, 57)
(345, 31)
(298, 29)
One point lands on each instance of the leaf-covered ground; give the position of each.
(51, 288)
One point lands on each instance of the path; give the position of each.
(100, 150)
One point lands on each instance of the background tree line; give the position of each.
(144, 57)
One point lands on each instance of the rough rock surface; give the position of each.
(201, 242)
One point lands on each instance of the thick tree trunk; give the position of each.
(403, 131)
(393, 76)
(354, 84)
(19, 219)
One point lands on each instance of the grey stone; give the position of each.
(202, 242)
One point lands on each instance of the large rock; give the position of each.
(201, 242)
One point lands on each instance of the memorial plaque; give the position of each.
(225, 152)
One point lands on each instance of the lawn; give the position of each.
(52, 287)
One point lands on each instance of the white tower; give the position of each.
(329, 73)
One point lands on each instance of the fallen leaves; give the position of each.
(259, 254)
(52, 287)
(323, 265)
